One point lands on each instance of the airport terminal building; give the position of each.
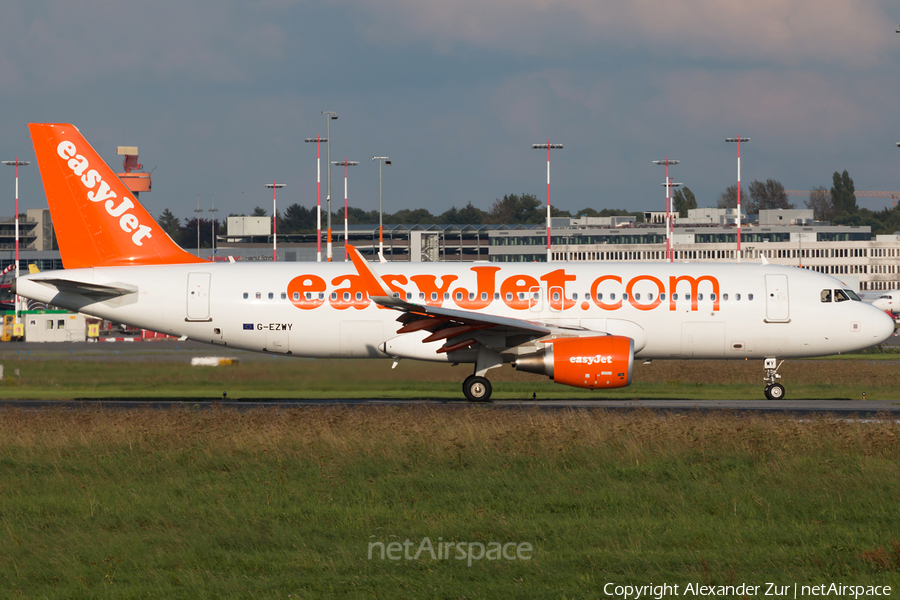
(785, 237)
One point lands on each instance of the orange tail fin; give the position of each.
(98, 221)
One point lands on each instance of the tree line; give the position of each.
(512, 209)
(837, 205)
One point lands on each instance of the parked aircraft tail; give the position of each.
(98, 221)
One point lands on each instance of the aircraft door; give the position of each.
(777, 305)
(198, 297)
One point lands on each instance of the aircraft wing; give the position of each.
(451, 324)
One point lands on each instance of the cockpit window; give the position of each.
(853, 295)
(826, 295)
(840, 296)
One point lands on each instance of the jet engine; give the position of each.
(601, 362)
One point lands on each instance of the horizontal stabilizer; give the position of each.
(91, 290)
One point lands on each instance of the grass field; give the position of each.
(56, 376)
(285, 503)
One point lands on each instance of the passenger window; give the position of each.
(699, 297)
(434, 295)
(484, 295)
(408, 296)
(749, 297)
(509, 295)
(612, 296)
(724, 297)
(555, 296)
(284, 295)
(246, 295)
(637, 296)
(599, 296)
(662, 297)
(825, 296)
(259, 295)
(675, 297)
(712, 297)
(359, 295)
(687, 296)
(737, 297)
(459, 295)
(346, 296)
(334, 295)
(624, 296)
(271, 296)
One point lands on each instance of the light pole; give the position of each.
(670, 242)
(345, 163)
(669, 255)
(212, 217)
(198, 211)
(738, 139)
(17, 163)
(549, 147)
(275, 187)
(329, 117)
(381, 160)
(318, 140)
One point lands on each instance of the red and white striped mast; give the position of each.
(549, 147)
(17, 163)
(670, 256)
(346, 163)
(738, 139)
(318, 140)
(275, 187)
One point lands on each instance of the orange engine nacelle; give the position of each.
(601, 362)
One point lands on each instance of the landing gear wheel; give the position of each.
(768, 395)
(477, 389)
(775, 392)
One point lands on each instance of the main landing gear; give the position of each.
(477, 389)
(774, 391)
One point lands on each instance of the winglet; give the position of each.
(374, 285)
(98, 221)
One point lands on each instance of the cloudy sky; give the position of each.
(219, 96)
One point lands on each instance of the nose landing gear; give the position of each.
(774, 390)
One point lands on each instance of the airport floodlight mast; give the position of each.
(346, 163)
(16, 163)
(549, 147)
(670, 237)
(212, 217)
(318, 140)
(275, 187)
(198, 211)
(738, 139)
(386, 161)
(670, 256)
(329, 117)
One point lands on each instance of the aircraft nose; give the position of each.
(882, 327)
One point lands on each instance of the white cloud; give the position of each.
(777, 31)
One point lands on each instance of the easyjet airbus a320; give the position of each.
(581, 324)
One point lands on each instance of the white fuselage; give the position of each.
(321, 310)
